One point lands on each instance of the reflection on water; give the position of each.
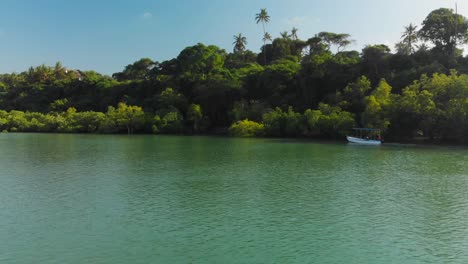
(143, 199)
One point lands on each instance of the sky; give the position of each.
(107, 35)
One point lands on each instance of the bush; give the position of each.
(334, 122)
(246, 128)
(171, 123)
(279, 123)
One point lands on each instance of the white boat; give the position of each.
(365, 136)
(363, 141)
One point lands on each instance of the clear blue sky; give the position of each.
(105, 35)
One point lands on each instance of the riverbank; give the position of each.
(342, 140)
(126, 119)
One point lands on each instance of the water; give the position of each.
(150, 199)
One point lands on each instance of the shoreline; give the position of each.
(415, 142)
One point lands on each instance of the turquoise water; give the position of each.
(151, 199)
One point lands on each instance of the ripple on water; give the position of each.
(112, 199)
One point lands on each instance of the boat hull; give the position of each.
(363, 141)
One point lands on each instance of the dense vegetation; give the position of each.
(292, 88)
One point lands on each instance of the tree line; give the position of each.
(293, 87)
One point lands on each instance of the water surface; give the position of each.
(158, 199)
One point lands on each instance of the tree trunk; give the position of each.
(264, 44)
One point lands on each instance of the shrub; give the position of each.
(246, 128)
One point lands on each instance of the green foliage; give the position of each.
(262, 17)
(283, 124)
(281, 48)
(312, 119)
(3, 88)
(127, 117)
(88, 122)
(200, 60)
(157, 124)
(445, 29)
(313, 86)
(354, 94)
(334, 122)
(59, 105)
(377, 107)
(169, 98)
(375, 60)
(410, 37)
(240, 60)
(246, 128)
(140, 70)
(433, 107)
(316, 46)
(171, 123)
(341, 41)
(216, 95)
(276, 83)
(239, 43)
(327, 121)
(72, 121)
(194, 116)
(252, 110)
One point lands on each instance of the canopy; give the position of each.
(367, 129)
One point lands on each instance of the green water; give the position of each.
(149, 199)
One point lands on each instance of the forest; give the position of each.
(293, 87)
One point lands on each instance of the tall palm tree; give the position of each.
(263, 18)
(285, 35)
(266, 37)
(294, 33)
(239, 43)
(410, 36)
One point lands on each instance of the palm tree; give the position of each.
(423, 47)
(266, 37)
(294, 33)
(285, 35)
(410, 36)
(239, 43)
(263, 18)
(403, 48)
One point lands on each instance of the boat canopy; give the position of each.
(367, 132)
(367, 129)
